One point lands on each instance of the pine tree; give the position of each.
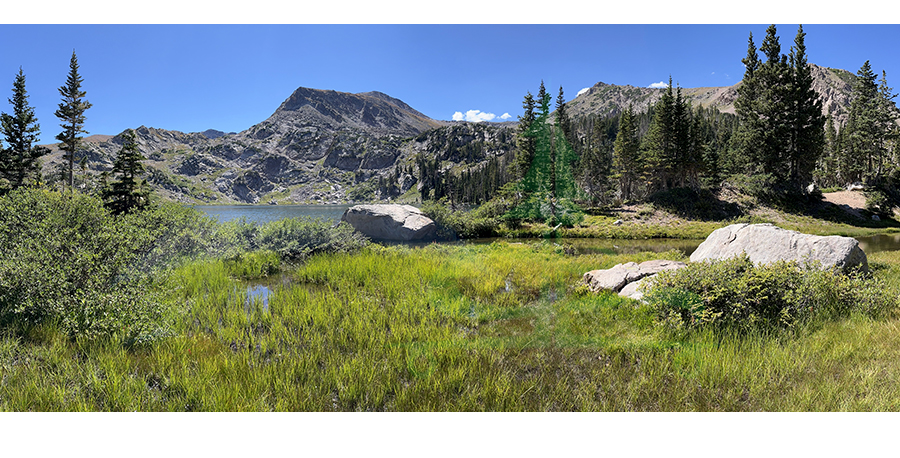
(627, 157)
(827, 170)
(775, 97)
(748, 137)
(524, 142)
(807, 134)
(596, 163)
(20, 163)
(887, 122)
(127, 194)
(658, 146)
(71, 113)
(562, 118)
(862, 127)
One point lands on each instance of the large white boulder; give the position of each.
(393, 222)
(766, 243)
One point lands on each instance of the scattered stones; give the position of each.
(403, 223)
(766, 243)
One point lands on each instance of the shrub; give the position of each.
(482, 221)
(734, 293)
(295, 239)
(66, 260)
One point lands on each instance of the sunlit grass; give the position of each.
(447, 328)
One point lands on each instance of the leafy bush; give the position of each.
(66, 260)
(734, 293)
(295, 239)
(479, 222)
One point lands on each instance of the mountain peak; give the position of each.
(366, 110)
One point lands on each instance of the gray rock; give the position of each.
(403, 223)
(766, 243)
(856, 186)
(613, 278)
(633, 291)
(876, 218)
(621, 276)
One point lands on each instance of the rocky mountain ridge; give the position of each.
(325, 146)
(834, 87)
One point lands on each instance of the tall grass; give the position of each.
(447, 328)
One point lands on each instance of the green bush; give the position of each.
(295, 239)
(67, 261)
(479, 222)
(734, 293)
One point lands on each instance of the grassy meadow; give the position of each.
(499, 327)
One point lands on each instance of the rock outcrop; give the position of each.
(766, 243)
(625, 279)
(403, 223)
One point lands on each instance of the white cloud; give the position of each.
(582, 91)
(505, 116)
(659, 85)
(474, 116)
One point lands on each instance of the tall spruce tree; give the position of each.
(21, 131)
(807, 133)
(563, 121)
(564, 152)
(128, 193)
(71, 113)
(595, 165)
(862, 151)
(748, 137)
(774, 105)
(524, 142)
(887, 120)
(658, 148)
(627, 159)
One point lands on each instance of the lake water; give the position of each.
(266, 213)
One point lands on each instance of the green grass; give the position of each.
(447, 328)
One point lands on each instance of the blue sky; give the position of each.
(229, 77)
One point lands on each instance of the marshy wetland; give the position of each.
(296, 315)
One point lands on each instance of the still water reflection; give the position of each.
(265, 213)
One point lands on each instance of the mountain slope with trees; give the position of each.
(323, 146)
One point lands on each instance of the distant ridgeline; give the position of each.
(323, 146)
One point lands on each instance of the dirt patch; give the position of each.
(853, 202)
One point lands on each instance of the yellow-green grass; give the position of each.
(491, 327)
